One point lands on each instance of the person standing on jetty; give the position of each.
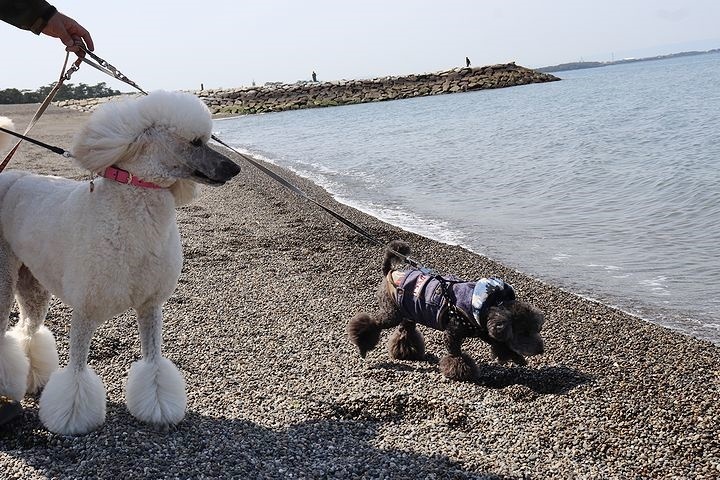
(38, 16)
(314, 76)
(467, 62)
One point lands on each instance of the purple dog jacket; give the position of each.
(420, 297)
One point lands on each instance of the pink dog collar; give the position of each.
(126, 178)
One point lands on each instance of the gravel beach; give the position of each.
(276, 391)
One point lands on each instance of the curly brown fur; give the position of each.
(407, 343)
(513, 328)
(364, 332)
(459, 367)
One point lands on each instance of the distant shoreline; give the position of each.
(581, 65)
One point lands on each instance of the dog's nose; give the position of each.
(228, 169)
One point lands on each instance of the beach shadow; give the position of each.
(211, 447)
(544, 380)
(429, 364)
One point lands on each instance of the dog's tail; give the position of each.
(5, 139)
(391, 255)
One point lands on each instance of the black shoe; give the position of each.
(9, 410)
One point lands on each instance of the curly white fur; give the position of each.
(40, 349)
(155, 392)
(73, 402)
(14, 368)
(103, 251)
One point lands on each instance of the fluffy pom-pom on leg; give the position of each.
(73, 401)
(41, 350)
(407, 343)
(14, 368)
(364, 332)
(155, 392)
(459, 367)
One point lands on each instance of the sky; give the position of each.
(179, 45)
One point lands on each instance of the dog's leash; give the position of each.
(58, 150)
(64, 75)
(105, 67)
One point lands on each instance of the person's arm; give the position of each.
(38, 16)
(31, 15)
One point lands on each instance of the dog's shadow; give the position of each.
(544, 380)
(426, 366)
(211, 446)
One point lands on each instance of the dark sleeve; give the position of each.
(30, 15)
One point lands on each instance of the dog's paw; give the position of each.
(155, 392)
(461, 368)
(14, 368)
(41, 351)
(73, 402)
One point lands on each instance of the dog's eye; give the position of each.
(197, 142)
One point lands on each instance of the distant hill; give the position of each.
(579, 65)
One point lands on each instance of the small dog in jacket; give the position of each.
(486, 309)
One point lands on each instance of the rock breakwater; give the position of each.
(276, 97)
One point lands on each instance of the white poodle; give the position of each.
(103, 250)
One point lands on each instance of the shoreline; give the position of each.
(674, 320)
(275, 390)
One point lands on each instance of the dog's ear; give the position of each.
(110, 131)
(499, 324)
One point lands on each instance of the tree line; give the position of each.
(67, 91)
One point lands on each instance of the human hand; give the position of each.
(69, 32)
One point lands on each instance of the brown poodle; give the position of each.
(486, 309)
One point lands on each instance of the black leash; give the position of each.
(65, 74)
(108, 69)
(293, 188)
(445, 284)
(353, 226)
(53, 149)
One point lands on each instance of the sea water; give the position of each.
(606, 183)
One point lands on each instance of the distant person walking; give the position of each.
(314, 77)
(467, 62)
